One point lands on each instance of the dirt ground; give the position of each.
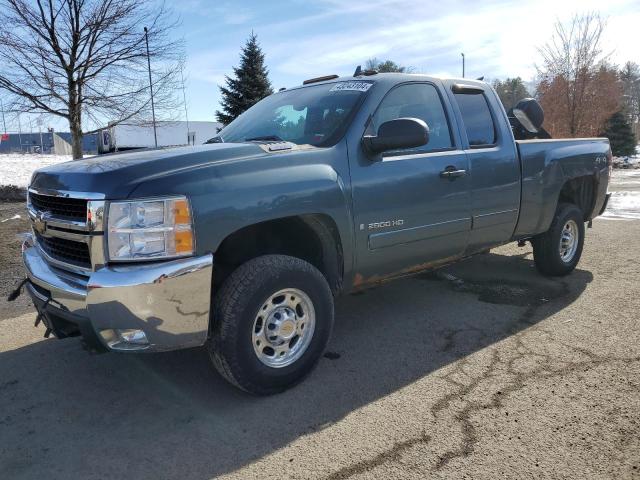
(11, 269)
(482, 370)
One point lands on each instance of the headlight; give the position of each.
(149, 229)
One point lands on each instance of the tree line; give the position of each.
(581, 92)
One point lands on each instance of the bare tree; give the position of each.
(600, 99)
(86, 60)
(572, 72)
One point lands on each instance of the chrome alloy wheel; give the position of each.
(283, 328)
(569, 241)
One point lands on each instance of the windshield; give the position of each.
(315, 115)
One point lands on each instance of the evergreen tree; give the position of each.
(386, 66)
(621, 137)
(249, 85)
(510, 91)
(630, 77)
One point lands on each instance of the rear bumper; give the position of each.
(168, 301)
(604, 204)
(601, 193)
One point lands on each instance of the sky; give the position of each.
(304, 39)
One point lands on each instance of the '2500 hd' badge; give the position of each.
(384, 224)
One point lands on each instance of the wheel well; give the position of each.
(313, 238)
(581, 192)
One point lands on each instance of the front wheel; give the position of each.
(272, 320)
(557, 251)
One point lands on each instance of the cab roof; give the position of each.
(387, 78)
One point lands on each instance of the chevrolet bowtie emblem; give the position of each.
(39, 223)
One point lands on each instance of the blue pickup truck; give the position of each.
(241, 245)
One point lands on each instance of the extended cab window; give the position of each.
(416, 100)
(477, 119)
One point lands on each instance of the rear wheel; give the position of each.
(557, 251)
(272, 319)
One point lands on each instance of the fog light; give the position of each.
(136, 337)
(26, 239)
(109, 336)
(125, 339)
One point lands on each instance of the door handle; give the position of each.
(452, 172)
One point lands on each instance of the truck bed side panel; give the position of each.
(546, 166)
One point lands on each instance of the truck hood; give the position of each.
(117, 175)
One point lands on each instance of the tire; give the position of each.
(238, 323)
(547, 247)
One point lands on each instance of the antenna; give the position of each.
(358, 71)
(3, 120)
(20, 133)
(184, 101)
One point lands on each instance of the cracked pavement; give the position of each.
(483, 369)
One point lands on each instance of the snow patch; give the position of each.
(16, 168)
(15, 217)
(623, 205)
(625, 178)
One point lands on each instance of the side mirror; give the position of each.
(526, 120)
(397, 134)
(529, 114)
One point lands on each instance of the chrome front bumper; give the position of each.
(169, 301)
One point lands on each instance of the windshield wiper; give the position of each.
(267, 138)
(216, 139)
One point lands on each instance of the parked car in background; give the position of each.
(626, 162)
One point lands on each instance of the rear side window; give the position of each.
(477, 119)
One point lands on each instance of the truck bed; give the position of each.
(547, 166)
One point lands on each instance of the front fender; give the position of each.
(269, 195)
(229, 196)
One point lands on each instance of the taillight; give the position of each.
(610, 161)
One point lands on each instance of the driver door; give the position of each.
(408, 215)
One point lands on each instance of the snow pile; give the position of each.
(16, 168)
(623, 205)
(625, 196)
(625, 180)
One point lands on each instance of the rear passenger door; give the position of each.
(493, 164)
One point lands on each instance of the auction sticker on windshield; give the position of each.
(357, 86)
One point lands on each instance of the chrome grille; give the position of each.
(68, 228)
(63, 250)
(63, 207)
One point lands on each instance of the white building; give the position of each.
(126, 136)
